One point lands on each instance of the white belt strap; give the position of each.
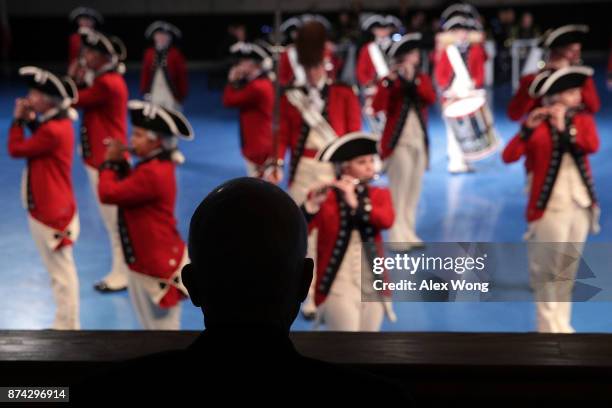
(378, 60)
(298, 70)
(311, 116)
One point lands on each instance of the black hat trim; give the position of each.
(86, 12)
(538, 81)
(571, 29)
(112, 45)
(39, 78)
(348, 147)
(462, 22)
(174, 122)
(564, 79)
(163, 26)
(378, 20)
(459, 9)
(405, 42)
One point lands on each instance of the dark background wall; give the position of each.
(39, 34)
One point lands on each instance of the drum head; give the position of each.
(464, 106)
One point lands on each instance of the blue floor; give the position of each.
(487, 206)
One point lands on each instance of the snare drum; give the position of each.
(472, 124)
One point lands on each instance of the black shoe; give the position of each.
(104, 288)
(309, 316)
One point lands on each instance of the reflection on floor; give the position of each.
(485, 206)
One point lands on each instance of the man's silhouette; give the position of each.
(249, 274)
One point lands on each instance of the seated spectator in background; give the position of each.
(249, 274)
(526, 28)
(502, 28)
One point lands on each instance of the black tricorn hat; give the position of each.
(565, 35)
(110, 45)
(348, 147)
(457, 22)
(406, 44)
(163, 26)
(538, 81)
(50, 84)
(562, 80)
(260, 52)
(461, 10)
(249, 50)
(163, 121)
(378, 20)
(86, 12)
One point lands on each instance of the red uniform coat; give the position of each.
(173, 63)
(522, 103)
(104, 106)
(395, 100)
(365, 71)
(255, 100)
(373, 214)
(49, 151)
(475, 58)
(146, 198)
(341, 110)
(544, 156)
(74, 47)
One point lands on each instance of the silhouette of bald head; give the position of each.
(247, 245)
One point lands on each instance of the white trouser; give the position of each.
(405, 169)
(143, 290)
(63, 273)
(161, 94)
(554, 239)
(310, 174)
(252, 169)
(346, 313)
(150, 315)
(344, 308)
(456, 161)
(117, 277)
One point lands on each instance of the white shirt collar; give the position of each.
(48, 115)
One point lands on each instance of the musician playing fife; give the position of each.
(564, 45)
(146, 196)
(404, 97)
(250, 89)
(555, 140)
(349, 212)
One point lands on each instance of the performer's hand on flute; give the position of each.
(537, 116)
(316, 196)
(115, 150)
(347, 185)
(23, 111)
(78, 71)
(73, 68)
(557, 116)
(236, 74)
(273, 171)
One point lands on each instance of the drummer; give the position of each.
(462, 30)
(372, 63)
